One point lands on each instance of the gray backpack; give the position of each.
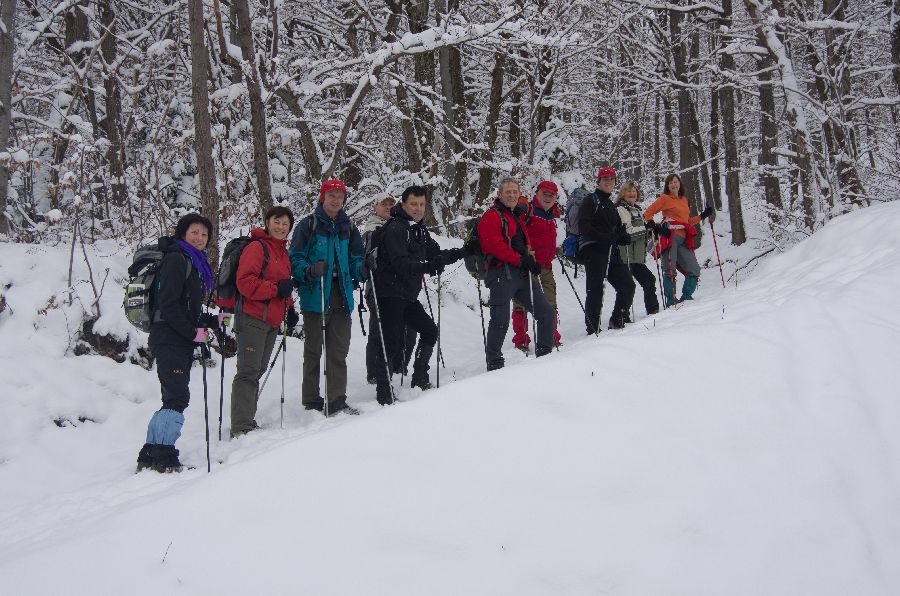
(573, 208)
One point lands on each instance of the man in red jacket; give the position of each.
(539, 217)
(512, 273)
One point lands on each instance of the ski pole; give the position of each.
(437, 368)
(656, 258)
(531, 297)
(324, 354)
(221, 378)
(387, 366)
(361, 309)
(269, 372)
(204, 354)
(481, 312)
(716, 244)
(431, 312)
(631, 272)
(572, 285)
(282, 347)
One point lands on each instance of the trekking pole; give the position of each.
(361, 309)
(572, 285)
(630, 272)
(221, 379)
(387, 366)
(481, 312)
(324, 354)
(431, 312)
(204, 354)
(282, 347)
(439, 331)
(712, 228)
(531, 295)
(662, 295)
(269, 372)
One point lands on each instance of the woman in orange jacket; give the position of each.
(676, 246)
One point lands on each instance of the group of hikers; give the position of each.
(515, 241)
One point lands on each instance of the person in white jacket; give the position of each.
(634, 255)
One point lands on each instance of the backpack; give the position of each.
(139, 301)
(573, 210)
(476, 261)
(226, 292)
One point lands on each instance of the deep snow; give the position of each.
(743, 444)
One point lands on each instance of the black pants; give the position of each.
(373, 345)
(645, 277)
(620, 279)
(173, 367)
(503, 289)
(397, 314)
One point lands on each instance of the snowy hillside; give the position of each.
(746, 443)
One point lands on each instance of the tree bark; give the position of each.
(485, 174)
(7, 45)
(206, 169)
(111, 122)
(687, 155)
(257, 109)
(732, 162)
(768, 140)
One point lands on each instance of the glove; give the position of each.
(200, 336)
(435, 266)
(208, 321)
(317, 269)
(651, 226)
(706, 212)
(224, 320)
(470, 248)
(285, 288)
(623, 239)
(529, 264)
(364, 271)
(292, 318)
(452, 255)
(664, 230)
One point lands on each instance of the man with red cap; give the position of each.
(601, 229)
(326, 255)
(539, 217)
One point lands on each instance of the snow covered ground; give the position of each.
(744, 444)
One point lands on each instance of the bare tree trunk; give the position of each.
(423, 71)
(111, 123)
(732, 162)
(7, 44)
(515, 124)
(206, 170)
(768, 140)
(687, 155)
(491, 122)
(257, 109)
(895, 42)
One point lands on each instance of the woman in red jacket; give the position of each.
(264, 304)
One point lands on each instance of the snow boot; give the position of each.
(339, 405)
(669, 291)
(317, 404)
(540, 350)
(687, 290)
(495, 364)
(165, 459)
(383, 396)
(421, 381)
(618, 320)
(145, 458)
(520, 338)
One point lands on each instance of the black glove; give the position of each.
(651, 226)
(435, 266)
(470, 248)
(292, 318)
(664, 230)
(451, 255)
(706, 212)
(623, 239)
(208, 321)
(529, 264)
(285, 287)
(317, 269)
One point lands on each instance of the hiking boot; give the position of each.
(339, 406)
(616, 324)
(371, 380)
(317, 404)
(653, 310)
(542, 351)
(495, 364)
(421, 382)
(145, 458)
(165, 459)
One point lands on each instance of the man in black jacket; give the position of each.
(601, 229)
(406, 252)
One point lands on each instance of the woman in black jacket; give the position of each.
(179, 326)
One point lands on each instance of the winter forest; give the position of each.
(117, 116)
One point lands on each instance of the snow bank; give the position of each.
(743, 444)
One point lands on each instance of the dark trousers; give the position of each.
(620, 279)
(596, 262)
(645, 277)
(373, 344)
(506, 283)
(173, 367)
(397, 314)
(338, 326)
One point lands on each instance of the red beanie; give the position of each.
(548, 186)
(607, 172)
(331, 185)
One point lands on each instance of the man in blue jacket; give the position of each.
(326, 254)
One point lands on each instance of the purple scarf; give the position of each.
(201, 264)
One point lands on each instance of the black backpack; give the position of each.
(475, 260)
(226, 278)
(140, 290)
